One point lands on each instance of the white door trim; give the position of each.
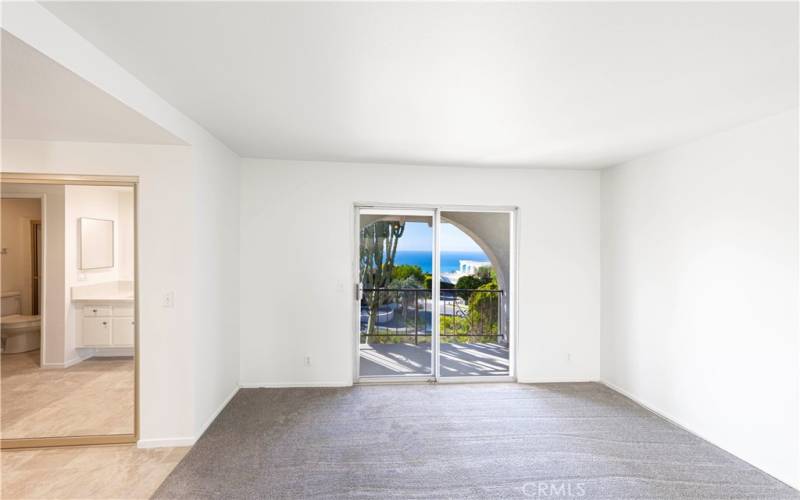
(378, 208)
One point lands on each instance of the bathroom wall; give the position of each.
(99, 202)
(125, 254)
(53, 277)
(15, 240)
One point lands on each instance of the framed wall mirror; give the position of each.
(97, 243)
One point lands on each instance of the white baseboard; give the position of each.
(555, 380)
(113, 352)
(65, 364)
(186, 441)
(216, 413)
(674, 421)
(54, 366)
(166, 442)
(286, 385)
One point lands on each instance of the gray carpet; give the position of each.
(455, 441)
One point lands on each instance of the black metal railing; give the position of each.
(400, 314)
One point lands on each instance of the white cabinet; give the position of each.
(122, 331)
(106, 325)
(93, 311)
(96, 331)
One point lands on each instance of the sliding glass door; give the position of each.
(396, 249)
(474, 257)
(433, 294)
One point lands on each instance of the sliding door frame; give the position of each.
(394, 210)
(86, 180)
(387, 208)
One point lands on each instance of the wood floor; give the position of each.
(77, 472)
(95, 396)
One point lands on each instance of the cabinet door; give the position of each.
(122, 332)
(96, 331)
(122, 311)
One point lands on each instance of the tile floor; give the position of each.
(95, 396)
(86, 472)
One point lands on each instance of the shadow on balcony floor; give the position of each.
(458, 360)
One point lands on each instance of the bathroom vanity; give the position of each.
(104, 315)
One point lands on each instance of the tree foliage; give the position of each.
(483, 305)
(484, 276)
(377, 252)
(405, 271)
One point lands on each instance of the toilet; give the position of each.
(20, 333)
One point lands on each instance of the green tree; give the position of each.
(468, 282)
(377, 252)
(405, 271)
(483, 276)
(483, 308)
(486, 274)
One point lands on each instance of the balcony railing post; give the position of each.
(499, 317)
(416, 317)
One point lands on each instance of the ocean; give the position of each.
(424, 259)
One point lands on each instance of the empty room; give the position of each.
(454, 250)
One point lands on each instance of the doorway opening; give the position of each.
(70, 336)
(434, 294)
(36, 264)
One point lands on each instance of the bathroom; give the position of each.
(68, 314)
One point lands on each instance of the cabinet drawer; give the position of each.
(96, 331)
(122, 311)
(96, 311)
(122, 332)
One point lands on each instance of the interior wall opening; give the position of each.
(68, 313)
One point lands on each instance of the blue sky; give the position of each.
(419, 236)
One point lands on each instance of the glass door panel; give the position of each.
(395, 270)
(474, 259)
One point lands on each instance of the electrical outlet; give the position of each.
(168, 300)
(307, 360)
(569, 356)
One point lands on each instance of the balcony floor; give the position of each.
(458, 360)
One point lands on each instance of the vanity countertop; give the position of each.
(112, 291)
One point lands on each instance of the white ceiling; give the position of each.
(44, 101)
(492, 84)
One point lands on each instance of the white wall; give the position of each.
(215, 282)
(297, 262)
(15, 239)
(99, 202)
(701, 289)
(126, 235)
(165, 246)
(177, 213)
